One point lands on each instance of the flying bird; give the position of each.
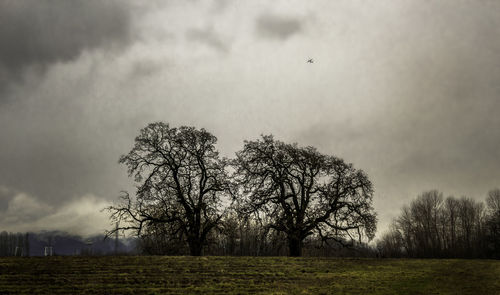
(310, 61)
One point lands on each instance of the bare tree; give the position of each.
(305, 192)
(430, 227)
(391, 244)
(493, 202)
(404, 224)
(451, 212)
(493, 223)
(181, 181)
(425, 211)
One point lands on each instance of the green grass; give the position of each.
(246, 275)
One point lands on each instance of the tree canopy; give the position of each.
(306, 192)
(181, 181)
(184, 189)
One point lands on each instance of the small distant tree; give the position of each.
(493, 223)
(391, 243)
(493, 202)
(27, 244)
(181, 181)
(304, 192)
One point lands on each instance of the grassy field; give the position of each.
(246, 275)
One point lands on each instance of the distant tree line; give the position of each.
(63, 243)
(237, 237)
(14, 244)
(273, 198)
(434, 226)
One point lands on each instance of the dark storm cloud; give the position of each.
(35, 34)
(208, 37)
(278, 26)
(408, 92)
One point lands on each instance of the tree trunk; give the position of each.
(195, 247)
(295, 246)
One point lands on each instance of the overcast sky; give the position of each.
(408, 91)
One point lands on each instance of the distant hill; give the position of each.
(64, 244)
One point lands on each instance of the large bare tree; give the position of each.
(305, 192)
(181, 181)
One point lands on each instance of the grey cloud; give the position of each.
(146, 68)
(208, 37)
(82, 215)
(408, 93)
(220, 5)
(36, 34)
(6, 195)
(427, 115)
(278, 26)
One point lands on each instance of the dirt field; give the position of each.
(246, 275)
